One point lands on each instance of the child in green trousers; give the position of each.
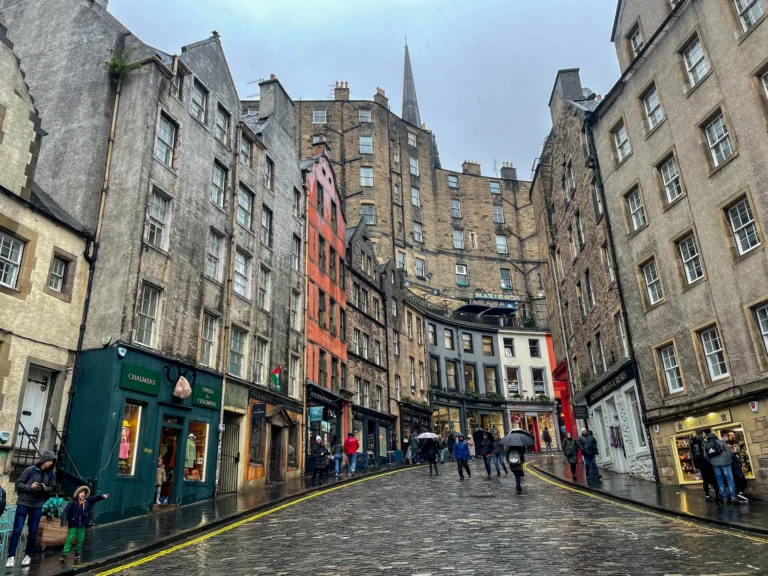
(78, 515)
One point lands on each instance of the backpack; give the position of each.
(514, 457)
(714, 449)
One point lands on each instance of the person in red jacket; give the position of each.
(350, 449)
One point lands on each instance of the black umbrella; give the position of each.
(518, 438)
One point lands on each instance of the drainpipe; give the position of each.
(228, 308)
(305, 423)
(601, 190)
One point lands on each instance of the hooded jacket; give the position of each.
(724, 457)
(76, 513)
(570, 449)
(461, 449)
(486, 446)
(46, 480)
(588, 445)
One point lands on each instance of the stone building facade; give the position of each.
(44, 273)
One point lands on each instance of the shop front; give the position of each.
(373, 432)
(325, 418)
(566, 418)
(466, 414)
(414, 419)
(534, 417)
(126, 422)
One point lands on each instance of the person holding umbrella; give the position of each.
(429, 450)
(461, 455)
(517, 440)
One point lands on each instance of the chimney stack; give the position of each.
(470, 167)
(320, 145)
(381, 98)
(508, 171)
(341, 91)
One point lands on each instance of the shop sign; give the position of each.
(315, 413)
(263, 394)
(206, 396)
(493, 296)
(580, 412)
(317, 393)
(616, 381)
(140, 379)
(711, 419)
(258, 411)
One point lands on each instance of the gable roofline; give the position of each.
(557, 76)
(619, 6)
(216, 39)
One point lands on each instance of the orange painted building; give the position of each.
(326, 303)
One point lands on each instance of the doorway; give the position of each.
(618, 454)
(33, 434)
(230, 456)
(276, 464)
(168, 450)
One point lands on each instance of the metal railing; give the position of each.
(25, 452)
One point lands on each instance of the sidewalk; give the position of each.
(685, 501)
(111, 543)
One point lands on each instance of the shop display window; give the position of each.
(497, 423)
(196, 451)
(731, 434)
(256, 448)
(545, 421)
(688, 472)
(129, 434)
(293, 441)
(382, 441)
(455, 419)
(357, 430)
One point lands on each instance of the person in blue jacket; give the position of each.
(461, 455)
(78, 515)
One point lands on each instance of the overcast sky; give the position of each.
(483, 68)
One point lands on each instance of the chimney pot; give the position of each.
(341, 91)
(272, 76)
(508, 171)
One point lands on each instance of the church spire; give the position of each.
(410, 103)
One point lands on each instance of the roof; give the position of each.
(40, 200)
(585, 105)
(619, 6)
(410, 102)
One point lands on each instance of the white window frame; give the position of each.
(261, 361)
(244, 207)
(413, 166)
(296, 311)
(221, 125)
(148, 315)
(415, 196)
(246, 148)
(506, 284)
(165, 140)
(418, 232)
(412, 140)
(368, 212)
(213, 267)
(607, 263)
(158, 219)
(453, 182)
(494, 187)
(58, 274)
(319, 116)
(11, 255)
(743, 226)
(636, 40)
(501, 247)
(718, 140)
(462, 272)
(761, 314)
(266, 226)
(218, 189)
(364, 116)
(198, 106)
(265, 288)
(671, 367)
(634, 411)
(366, 144)
(458, 239)
(498, 214)
(208, 333)
(237, 347)
(689, 254)
(714, 353)
(696, 63)
(366, 176)
(242, 276)
(455, 208)
(421, 268)
(621, 141)
(653, 286)
(670, 177)
(653, 110)
(636, 209)
(750, 11)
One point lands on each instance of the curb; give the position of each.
(723, 523)
(185, 534)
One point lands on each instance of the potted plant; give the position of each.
(51, 532)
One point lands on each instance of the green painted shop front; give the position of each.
(125, 417)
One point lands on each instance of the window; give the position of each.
(342, 275)
(218, 184)
(498, 214)
(11, 251)
(320, 194)
(570, 182)
(213, 267)
(432, 334)
(265, 289)
(366, 144)
(365, 301)
(695, 61)
(421, 268)
(398, 385)
(743, 226)
(378, 407)
(580, 229)
(321, 308)
(513, 379)
(266, 226)
(487, 346)
(418, 235)
(412, 139)
(334, 217)
(166, 138)
(368, 213)
(719, 141)
(466, 342)
(534, 348)
(455, 208)
(434, 369)
(621, 140)
(749, 11)
(364, 115)
(267, 172)
(506, 278)
(356, 341)
(130, 434)
(256, 443)
(293, 388)
(358, 389)
(419, 336)
(458, 239)
(366, 341)
(671, 368)
(652, 282)
(158, 214)
(591, 356)
(605, 257)
(401, 260)
(296, 311)
(494, 187)
(509, 347)
(491, 383)
(261, 362)
(375, 307)
(377, 352)
(322, 369)
(199, 102)
(461, 275)
(242, 274)
(297, 203)
(621, 336)
(147, 320)
(394, 308)
(450, 374)
(598, 201)
(318, 116)
(415, 196)
(652, 105)
(689, 253)
(296, 252)
(414, 166)
(714, 353)
(453, 181)
(501, 244)
(572, 243)
(245, 152)
(366, 176)
(539, 381)
(395, 343)
(236, 352)
(637, 421)
(636, 40)
(600, 352)
(670, 177)
(448, 338)
(636, 210)
(58, 273)
(221, 128)
(321, 253)
(470, 377)
(244, 207)
(762, 320)
(472, 240)
(580, 296)
(590, 291)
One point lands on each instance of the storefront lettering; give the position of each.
(315, 413)
(711, 419)
(258, 411)
(140, 379)
(619, 379)
(206, 396)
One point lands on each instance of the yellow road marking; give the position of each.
(234, 525)
(693, 524)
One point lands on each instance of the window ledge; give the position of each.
(243, 298)
(688, 286)
(708, 382)
(220, 208)
(653, 130)
(723, 164)
(156, 249)
(674, 202)
(267, 312)
(620, 163)
(650, 307)
(247, 230)
(695, 87)
(63, 296)
(746, 34)
(636, 232)
(742, 257)
(201, 122)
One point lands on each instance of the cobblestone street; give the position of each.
(409, 523)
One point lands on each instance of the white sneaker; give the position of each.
(740, 498)
(26, 562)
(11, 562)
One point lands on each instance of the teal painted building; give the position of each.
(125, 417)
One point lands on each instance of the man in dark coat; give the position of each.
(589, 451)
(486, 451)
(720, 456)
(413, 444)
(700, 462)
(429, 451)
(320, 460)
(451, 442)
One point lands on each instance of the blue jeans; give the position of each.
(351, 462)
(487, 462)
(442, 456)
(338, 459)
(723, 474)
(34, 514)
(591, 464)
(499, 458)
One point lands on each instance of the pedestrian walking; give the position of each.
(77, 516)
(413, 448)
(486, 450)
(571, 451)
(160, 479)
(516, 459)
(450, 443)
(461, 455)
(429, 450)
(471, 444)
(739, 479)
(350, 449)
(547, 437)
(589, 451)
(320, 458)
(498, 454)
(700, 462)
(337, 448)
(441, 446)
(720, 456)
(33, 488)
